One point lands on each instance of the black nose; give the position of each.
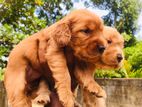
(119, 57)
(101, 48)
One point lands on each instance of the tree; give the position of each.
(53, 10)
(29, 16)
(122, 15)
(8, 38)
(20, 15)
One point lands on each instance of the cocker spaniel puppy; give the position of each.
(72, 45)
(111, 59)
(113, 55)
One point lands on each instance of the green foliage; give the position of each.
(19, 14)
(135, 74)
(133, 63)
(107, 74)
(130, 40)
(127, 66)
(1, 74)
(126, 37)
(134, 55)
(122, 13)
(30, 16)
(136, 60)
(111, 73)
(8, 38)
(53, 10)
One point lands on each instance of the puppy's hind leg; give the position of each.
(15, 85)
(43, 94)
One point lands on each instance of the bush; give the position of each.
(135, 74)
(121, 73)
(8, 39)
(134, 55)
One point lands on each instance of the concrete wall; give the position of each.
(121, 92)
(3, 101)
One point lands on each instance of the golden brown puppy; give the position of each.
(113, 55)
(73, 44)
(111, 58)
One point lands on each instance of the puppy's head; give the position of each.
(113, 55)
(85, 33)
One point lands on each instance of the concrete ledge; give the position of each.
(120, 92)
(3, 101)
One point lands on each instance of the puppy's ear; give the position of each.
(62, 34)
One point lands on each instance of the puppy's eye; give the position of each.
(87, 31)
(109, 41)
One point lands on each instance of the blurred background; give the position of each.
(21, 18)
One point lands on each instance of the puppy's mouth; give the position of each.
(109, 65)
(112, 62)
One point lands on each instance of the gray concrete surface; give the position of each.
(120, 93)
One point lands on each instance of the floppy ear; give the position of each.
(62, 34)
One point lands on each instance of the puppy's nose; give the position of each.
(119, 57)
(101, 48)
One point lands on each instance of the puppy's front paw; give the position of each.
(68, 103)
(95, 89)
(76, 104)
(42, 99)
(101, 93)
(67, 100)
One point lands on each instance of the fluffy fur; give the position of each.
(113, 55)
(71, 46)
(111, 58)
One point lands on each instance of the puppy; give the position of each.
(113, 55)
(72, 45)
(111, 59)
